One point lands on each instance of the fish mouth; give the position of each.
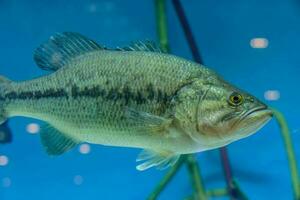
(262, 111)
(252, 120)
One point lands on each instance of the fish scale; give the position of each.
(135, 96)
(103, 113)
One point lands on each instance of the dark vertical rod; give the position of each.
(187, 31)
(226, 164)
(197, 57)
(227, 170)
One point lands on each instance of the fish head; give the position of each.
(225, 113)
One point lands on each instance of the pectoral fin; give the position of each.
(56, 142)
(158, 159)
(146, 121)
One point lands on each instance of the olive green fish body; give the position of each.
(88, 97)
(135, 96)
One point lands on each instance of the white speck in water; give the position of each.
(296, 130)
(124, 21)
(272, 95)
(92, 8)
(33, 128)
(107, 22)
(3, 160)
(84, 148)
(259, 43)
(6, 182)
(109, 6)
(78, 180)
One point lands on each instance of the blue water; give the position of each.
(223, 30)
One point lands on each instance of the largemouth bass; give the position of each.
(136, 96)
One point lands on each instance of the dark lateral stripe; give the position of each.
(113, 94)
(35, 94)
(125, 94)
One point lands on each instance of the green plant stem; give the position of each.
(164, 44)
(217, 192)
(194, 172)
(161, 21)
(290, 152)
(191, 161)
(166, 179)
(236, 192)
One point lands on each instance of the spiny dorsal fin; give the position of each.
(141, 46)
(55, 142)
(158, 159)
(4, 80)
(61, 48)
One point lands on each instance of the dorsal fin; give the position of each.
(4, 80)
(61, 48)
(141, 46)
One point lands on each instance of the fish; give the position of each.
(134, 96)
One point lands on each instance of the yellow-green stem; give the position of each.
(165, 180)
(191, 162)
(290, 152)
(194, 172)
(161, 21)
(217, 192)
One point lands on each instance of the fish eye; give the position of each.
(235, 99)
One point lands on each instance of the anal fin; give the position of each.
(56, 142)
(5, 134)
(158, 159)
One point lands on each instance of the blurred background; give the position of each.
(253, 44)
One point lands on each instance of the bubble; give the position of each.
(78, 180)
(259, 43)
(3, 160)
(109, 6)
(33, 128)
(92, 8)
(6, 182)
(84, 148)
(295, 130)
(272, 95)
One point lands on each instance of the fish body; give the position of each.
(135, 96)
